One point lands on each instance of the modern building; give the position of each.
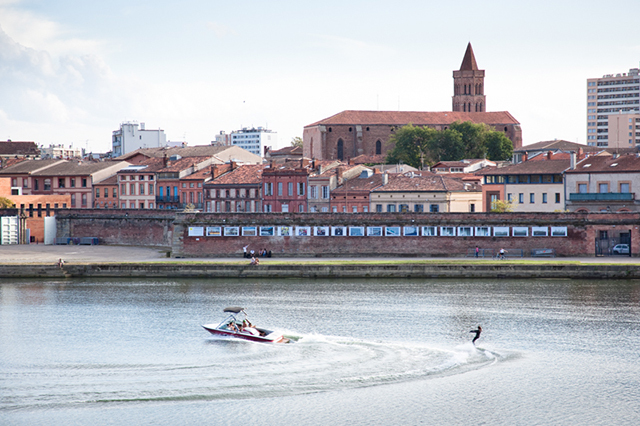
(611, 94)
(254, 139)
(59, 151)
(624, 130)
(468, 85)
(133, 136)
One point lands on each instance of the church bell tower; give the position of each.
(468, 85)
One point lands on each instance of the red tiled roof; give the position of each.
(431, 183)
(369, 159)
(608, 164)
(362, 183)
(18, 148)
(250, 174)
(469, 60)
(417, 118)
(528, 167)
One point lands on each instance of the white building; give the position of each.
(59, 151)
(130, 137)
(254, 140)
(611, 94)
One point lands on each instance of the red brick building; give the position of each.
(284, 186)
(238, 190)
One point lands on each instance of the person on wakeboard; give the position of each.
(478, 331)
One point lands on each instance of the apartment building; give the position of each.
(237, 191)
(254, 139)
(133, 136)
(609, 99)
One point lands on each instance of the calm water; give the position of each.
(553, 352)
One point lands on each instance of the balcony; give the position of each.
(610, 196)
(167, 199)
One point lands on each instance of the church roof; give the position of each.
(417, 118)
(469, 61)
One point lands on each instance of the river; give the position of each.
(105, 352)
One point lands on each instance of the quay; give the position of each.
(40, 261)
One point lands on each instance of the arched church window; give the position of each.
(340, 149)
(378, 147)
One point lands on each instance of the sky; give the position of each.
(71, 71)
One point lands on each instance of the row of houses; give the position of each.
(229, 179)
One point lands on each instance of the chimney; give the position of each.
(580, 154)
(549, 155)
(385, 178)
(572, 163)
(266, 151)
(234, 165)
(339, 171)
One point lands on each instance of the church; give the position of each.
(350, 134)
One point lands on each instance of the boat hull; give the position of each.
(271, 337)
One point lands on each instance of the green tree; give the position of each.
(473, 138)
(6, 203)
(502, 206)
(296, 141)
(499, 147)
(413, 146)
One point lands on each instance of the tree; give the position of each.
(473, 138)
(502, 206)
(499, 147)
(296, 141)
(412, 146)
(6, 203)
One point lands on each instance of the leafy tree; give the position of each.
(502, 206)
(499, 147)
(296, 141)
(6, 203)
(419, 146)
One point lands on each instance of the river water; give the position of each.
(102, 352)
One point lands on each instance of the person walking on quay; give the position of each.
(478, 331)
(477, 251)
(244, 251)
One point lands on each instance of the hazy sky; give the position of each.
(71, 71)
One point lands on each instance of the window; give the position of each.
(313, 192)
(582, 188)
(72, 183)
(115, 192)
(334, 209)
(47, 184)
(509, 197)
(151, 190)
(123, 188)
(285, 208)
(290, 189)
(391, 208)
(279, 188)
(472, 208)
(624, 187)
(521, 198)
(544, 198)
(355, 209)
(365, 209)
(301, 188)
(84, 200)
(191, 185)
(132, 189)
(141, 189)
(84, 182)
(603, 188)
(532, 198)
(97, 192)
(418, 208)
(557, 198)
(378, 208)
(73, 200)
(300, 208)
(268, 189)
(325, 192)
(60, 182)
(434, 208)
(404, 208)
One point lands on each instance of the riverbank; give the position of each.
(39, 261)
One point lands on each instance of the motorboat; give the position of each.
(238, 326)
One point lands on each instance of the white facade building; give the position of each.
(611, 94)
(254, 140)
(132, 136)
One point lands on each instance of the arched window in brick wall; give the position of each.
(340, 149)
(378, 147)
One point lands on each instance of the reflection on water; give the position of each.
(66, 345)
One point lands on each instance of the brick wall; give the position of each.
(170, 229)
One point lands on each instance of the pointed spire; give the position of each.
(469, 61)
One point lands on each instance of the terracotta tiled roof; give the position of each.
(608, 164)
(152, 166)
(556, 145)
(29, 166)
(111, 180)
(7, 162)
(182, 164)
(401, 118)
(429, 183)
(528, 167)
(18, 148)
(362, 184)
(288, 150)
(75, 168)
(250, 174)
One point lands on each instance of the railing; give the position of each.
(167, 199)
(609, 196)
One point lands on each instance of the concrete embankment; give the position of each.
(324, 270)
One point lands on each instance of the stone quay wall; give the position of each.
(225, 234)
